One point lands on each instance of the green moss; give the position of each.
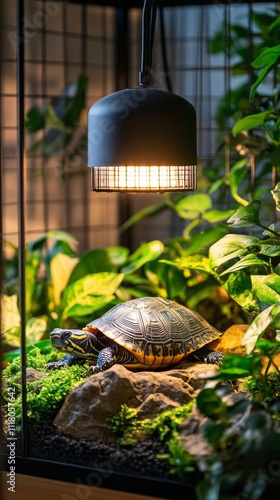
(45, 395)
(125, 424)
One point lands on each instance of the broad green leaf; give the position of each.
(61, 267)
(274, 24)
(33, 261)
(117, 255)
(265, 319)
(202, 239)
(235, 366)
(217, 215)
(267, 288)
(276, 193)
(211, 405)
(145, 253)
(51, 119)
(249, 260)
(246, 216)
(35, 120)
(213, 432)
(43, 345)
(35, 329)
(197, 262)
(267, 347)
(192, 206)
(88, 305)
(270, 250)
(166, 280)
(269, 58)
(70, 103)
(52, 143)
(239, 287)
(89, 293)
(10, 320)
(99, 260)
(39, 243)
(230, 247)
(250, 121)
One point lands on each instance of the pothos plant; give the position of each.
(64, 290)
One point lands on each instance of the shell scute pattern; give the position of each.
(157, 331)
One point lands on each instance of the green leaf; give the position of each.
(193, 206)
(213, 216)
(235, 366)
(197, 262)
(269, 58)
(89, 294)
(165, 277)
(35, 329)
(246, 216)
(52, 143)
(213, 432)
(230, 247)
(99, 260)
(51, 120)
(10, 320)
(259, 325)
(33, 261)
(249, 260)
(267, 288)
(57, 235)
(61, 267)
(239, 287)
(251, 121)
(276, 193)
(35, 120)
(145, 253)
(211, 405)
(202, 239)
(71, 102)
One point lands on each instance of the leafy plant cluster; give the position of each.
(244, 441)
(61, 121)
(63, 290)
(253, 115)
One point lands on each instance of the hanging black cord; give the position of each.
(148, 31)
(163, 50)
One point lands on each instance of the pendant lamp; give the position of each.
(142, 139)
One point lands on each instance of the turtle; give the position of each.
(147, 333)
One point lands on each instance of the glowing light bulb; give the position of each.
(144, 178)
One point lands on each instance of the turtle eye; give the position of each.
(66, 334)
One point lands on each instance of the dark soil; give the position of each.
(46, 443)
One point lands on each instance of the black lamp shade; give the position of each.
(146, 128)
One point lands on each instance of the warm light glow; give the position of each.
(144, 178)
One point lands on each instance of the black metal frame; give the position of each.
(115, 481)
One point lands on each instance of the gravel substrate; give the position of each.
(141, 458)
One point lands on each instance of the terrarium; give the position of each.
(140, 331)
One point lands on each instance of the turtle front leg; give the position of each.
(207, 355)
(67, 360)
(106, 358)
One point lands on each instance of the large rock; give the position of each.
(87, 407)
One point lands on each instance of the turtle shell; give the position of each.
(158, 332)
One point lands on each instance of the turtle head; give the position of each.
(75, 342)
